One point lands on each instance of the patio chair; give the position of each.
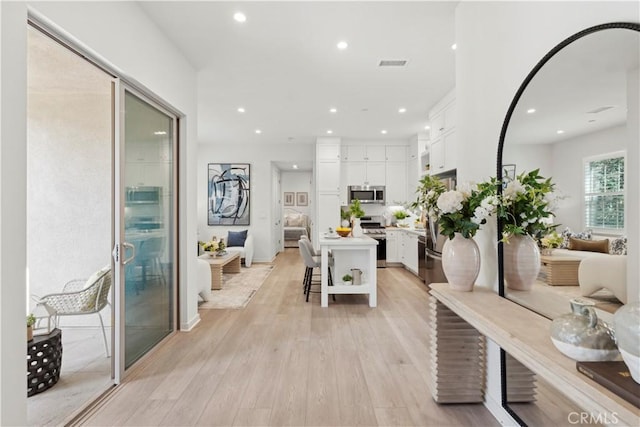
(79, 297)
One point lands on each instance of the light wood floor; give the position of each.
(283, 361)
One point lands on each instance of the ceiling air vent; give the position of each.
(392, 63)
(599, 110)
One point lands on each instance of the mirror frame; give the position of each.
(501, 289)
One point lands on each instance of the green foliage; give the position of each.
(476, 204)
(347, 278)
(400, 214)
(429, 189)
(526, 205)
(31, 319)
(355, 209)
(345, 214)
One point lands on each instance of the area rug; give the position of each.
(238, 289)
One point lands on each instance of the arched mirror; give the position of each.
(575, 117)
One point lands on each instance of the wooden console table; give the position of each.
(561, 270)
(525, 336)
(229, 263)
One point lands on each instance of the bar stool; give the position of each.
(311, 263)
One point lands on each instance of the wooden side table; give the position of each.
(561, 270)
(229, 263)
(44, 361)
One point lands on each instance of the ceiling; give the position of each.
(582, 89)
(283, 67)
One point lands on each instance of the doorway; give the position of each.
(96, 148)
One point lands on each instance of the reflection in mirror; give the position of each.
(571, 122)
(572, 115)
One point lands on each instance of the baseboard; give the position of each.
(188, 326)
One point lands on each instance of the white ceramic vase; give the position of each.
(356, 230)
(521, 262)
(461, 262)
(626, 322)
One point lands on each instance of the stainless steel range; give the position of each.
(376, 230)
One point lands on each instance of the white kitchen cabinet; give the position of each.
(410, 251)
(365, 173)
(393, 246)
(328, 211)
(396, 182)
(443, 147)
(328, 176)
(328, 151)
(436, 156)
(364, 153)
(396, 153)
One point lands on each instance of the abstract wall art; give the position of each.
(229, 194)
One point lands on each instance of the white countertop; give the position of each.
(416, 231)
(348, 241)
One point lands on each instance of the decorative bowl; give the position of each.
(343, 231)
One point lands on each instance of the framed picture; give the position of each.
(289, 198)
(302, 199)
(508, 172)
(229, 200)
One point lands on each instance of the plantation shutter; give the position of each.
(604, 192)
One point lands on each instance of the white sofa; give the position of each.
(599, 270)
(246, 251)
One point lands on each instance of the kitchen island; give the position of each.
(348, 253)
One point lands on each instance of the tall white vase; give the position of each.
(461, 262)
(521, 258)
(356, 229)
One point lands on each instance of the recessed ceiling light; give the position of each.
(333, 110)
(342, 45)
(160, 132)
(427, 127)
(240, 110)
(329, 131)
(240, 17)
(531, 110)
(454, 46)
(295, 166)
(559, 131)
(402, 110)
(258, 131)
(383, 131)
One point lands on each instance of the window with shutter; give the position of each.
(604, 180)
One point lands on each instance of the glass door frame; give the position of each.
(121, 256)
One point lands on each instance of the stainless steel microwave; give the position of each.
(143, 195)
(367, 193)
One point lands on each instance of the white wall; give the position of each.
(296, 182)
(260, 158)
(139, 50)
(498, 44)
(567, 170)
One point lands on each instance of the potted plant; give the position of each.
(460, 213)
(31, 320)
(347, 279)
(355, 209)
(550, 242)
(211, 247)
(526, 210)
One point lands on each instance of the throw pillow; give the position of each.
(96, 275)
(236, 238)
(618, 246)
(567, 233)
(589, 245)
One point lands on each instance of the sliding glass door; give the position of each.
(145, 162)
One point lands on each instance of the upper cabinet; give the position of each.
(364, 153)
(395, 153)
(443, 144)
